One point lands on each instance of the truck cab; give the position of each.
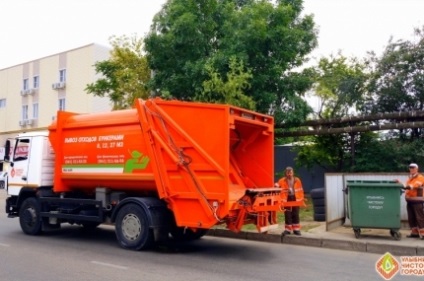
(31, 162)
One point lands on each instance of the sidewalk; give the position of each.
(377, 241)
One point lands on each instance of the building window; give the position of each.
(25, 84)
(36, 82)
(25, 112)
(62, 75)
(2, 103)
(61, 104)
(35, 111)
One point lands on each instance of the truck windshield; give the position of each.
(21, 150)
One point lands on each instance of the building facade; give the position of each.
(31, 93)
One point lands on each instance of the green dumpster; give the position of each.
(374, 204)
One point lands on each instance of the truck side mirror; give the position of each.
(7, 151)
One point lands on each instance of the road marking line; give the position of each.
(109, 265)
(4, 245)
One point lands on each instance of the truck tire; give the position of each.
(182, 234)
(132, 228)
(319, 210)
(318, 202)
(319, 217)
(317, 193)
(29, 216)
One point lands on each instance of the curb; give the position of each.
(339, 244)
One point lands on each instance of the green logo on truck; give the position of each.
(138, 161)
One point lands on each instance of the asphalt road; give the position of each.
(73, 254)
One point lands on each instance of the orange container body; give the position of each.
(201, 159)
(100, 150)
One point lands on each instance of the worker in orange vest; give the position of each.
(415, 201)
(292, 186)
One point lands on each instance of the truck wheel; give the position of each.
(29, 216)
(132, 228)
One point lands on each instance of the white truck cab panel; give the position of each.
(32, 162)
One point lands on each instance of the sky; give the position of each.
(32, 29)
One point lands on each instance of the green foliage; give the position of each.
(326, 151)
(125, 75)
(371, 153)
(179, 44)
(390, 83)
(340, 85)
(290, 109)
(390, 155)
(194, 41)
(287, 140)
(230, 91)
(398, 80)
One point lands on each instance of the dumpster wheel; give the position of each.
(395, 234)
(357, 232)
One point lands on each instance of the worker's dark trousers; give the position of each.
(416, 217)
(291, 216)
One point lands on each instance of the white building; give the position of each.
(31, 93)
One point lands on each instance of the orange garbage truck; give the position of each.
(161, 170)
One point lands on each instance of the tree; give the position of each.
(125, 74)
(391, 83)
(229, 90)
(325, 151)
(341, 86)
(270, 38)
(388, 155)
(398, 79)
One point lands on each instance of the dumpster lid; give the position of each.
(374, 183)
